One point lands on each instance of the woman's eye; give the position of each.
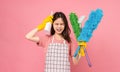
(56, 23)
(61, 24)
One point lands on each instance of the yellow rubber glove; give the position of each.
(47, 19)
(82, 46)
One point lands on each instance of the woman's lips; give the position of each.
(59, 30)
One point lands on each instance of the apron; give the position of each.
(57, 57)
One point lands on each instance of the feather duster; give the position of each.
(75, 25)
(90, 25)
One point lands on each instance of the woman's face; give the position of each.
(58, 25)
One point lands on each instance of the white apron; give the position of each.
(57, 57)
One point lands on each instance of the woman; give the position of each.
(59, 46)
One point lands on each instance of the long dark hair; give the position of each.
(66, 32)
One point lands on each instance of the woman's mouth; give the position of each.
(59, 30)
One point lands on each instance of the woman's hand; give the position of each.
(32, 34)
(76, 59)
(46, 20)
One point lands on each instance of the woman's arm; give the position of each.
(73, 47)
(76, 59)
(32, 35)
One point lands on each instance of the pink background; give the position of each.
(17, 17)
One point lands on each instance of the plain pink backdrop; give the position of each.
(17, 17)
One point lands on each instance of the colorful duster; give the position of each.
(84, 34)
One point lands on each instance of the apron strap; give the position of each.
(52, 39)
(64, 42)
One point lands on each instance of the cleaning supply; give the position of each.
(47, 20)
(86, 32)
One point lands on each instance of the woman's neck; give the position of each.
(58, 36)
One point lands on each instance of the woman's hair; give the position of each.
(66, 32)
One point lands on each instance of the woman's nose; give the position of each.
(59, 25)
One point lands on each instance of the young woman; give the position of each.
(59, 47)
